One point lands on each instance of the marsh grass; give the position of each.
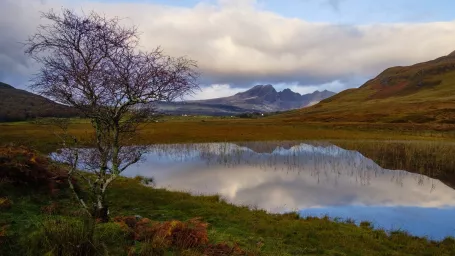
(429, 158)
(323, 160)
(193, 130)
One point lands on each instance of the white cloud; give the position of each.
(334, 86)
(317, 177)
(237, 43)
(215, 91)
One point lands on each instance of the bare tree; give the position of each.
(93, 64)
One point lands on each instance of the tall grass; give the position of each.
(64, 237)
(430, 158)
(362, 159)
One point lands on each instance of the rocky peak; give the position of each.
(289, 95)
(266, 92)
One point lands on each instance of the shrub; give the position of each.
(152, 247)
(156, 235)
(5, 203)
(184, 235)
(50, 209)
(291, 215)
(145, 180)
(22, 166)
(448, 242)
(113, 236)
(223, 249)
(3, 234)
(349, 221)
(366, 224)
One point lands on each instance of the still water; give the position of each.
(314, 179)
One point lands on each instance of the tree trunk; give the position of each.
(102, 214)
(101, 209)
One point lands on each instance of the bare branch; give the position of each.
(92, 63)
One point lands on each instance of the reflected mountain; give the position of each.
(270, 146)
(310, 178)
(432, 159)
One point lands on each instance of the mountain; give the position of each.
(421, 93)
(19, 105)
(260, 98)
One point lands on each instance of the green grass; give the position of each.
(280, 234)
(286, 234)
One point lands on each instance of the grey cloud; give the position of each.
(246, 80)
(15, 67)
(244, 46)
(15, 26)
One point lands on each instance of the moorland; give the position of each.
(402, 119)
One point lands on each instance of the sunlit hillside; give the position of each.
(420, 93)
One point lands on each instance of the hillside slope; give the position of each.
(19, 105)
(420, 93)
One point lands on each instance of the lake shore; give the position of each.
(286, 234)
(253, 230)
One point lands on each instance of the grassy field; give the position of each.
(33, 208)
(206, 129)
(24, 220)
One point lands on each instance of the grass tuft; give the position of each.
(63, 237)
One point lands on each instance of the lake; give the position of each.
(314, 179)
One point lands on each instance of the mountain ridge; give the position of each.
(259, 98)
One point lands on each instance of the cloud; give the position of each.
(15, 67)
(215, 91)
(317, 177)
(334, 86)
(237, 43)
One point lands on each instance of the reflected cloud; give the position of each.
(292, 177)
(313, 179)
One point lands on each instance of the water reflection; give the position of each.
(313, 178)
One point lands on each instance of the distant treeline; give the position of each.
(258, 114)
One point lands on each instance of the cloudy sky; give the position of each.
(304, 45)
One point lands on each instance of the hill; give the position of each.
(19, 105)
(421, 93)
(260, 98)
